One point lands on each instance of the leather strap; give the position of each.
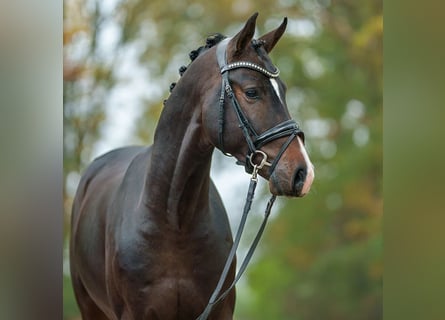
(255, 142)
(231, 256)
(215, 299)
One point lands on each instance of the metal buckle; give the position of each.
(257, 167)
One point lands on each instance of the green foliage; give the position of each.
(321, 257)
(70, 308)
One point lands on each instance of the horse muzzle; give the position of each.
(298, 186)
(294, 173)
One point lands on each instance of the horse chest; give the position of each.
(171, 255)
(170, 270)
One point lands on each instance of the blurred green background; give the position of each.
(321, 256)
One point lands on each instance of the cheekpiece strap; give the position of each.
(221, 53)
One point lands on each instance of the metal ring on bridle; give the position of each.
(263, 161)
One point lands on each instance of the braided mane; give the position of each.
(211, 41)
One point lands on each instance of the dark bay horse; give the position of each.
(150, 234)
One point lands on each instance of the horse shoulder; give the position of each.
(95, 193)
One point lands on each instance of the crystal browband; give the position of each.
(250, 65)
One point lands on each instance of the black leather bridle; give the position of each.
(288, 128)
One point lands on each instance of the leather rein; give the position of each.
(255, 141)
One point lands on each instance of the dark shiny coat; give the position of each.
(149, 232)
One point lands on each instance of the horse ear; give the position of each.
(244, 37)
(271, 38)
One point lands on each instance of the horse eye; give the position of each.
(251, 93)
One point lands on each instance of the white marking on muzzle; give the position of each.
(310, 169)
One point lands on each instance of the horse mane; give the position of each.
(211, 41)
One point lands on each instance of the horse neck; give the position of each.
(179, 171)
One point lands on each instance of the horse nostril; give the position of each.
(299, 178)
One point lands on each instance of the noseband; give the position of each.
(255, 141)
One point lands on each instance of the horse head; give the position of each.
(252, 122)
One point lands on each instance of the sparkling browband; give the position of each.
(250, 65)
